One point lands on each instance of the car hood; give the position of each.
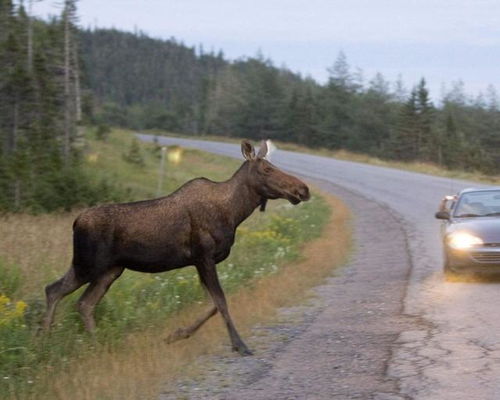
(487, 228)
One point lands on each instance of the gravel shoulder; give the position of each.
(337, 345)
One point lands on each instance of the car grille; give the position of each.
(493, 257)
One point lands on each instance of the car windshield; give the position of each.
(483, 203)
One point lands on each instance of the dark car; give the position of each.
(471, 232)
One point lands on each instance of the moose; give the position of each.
(195, 225)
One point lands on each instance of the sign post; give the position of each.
(161, 171)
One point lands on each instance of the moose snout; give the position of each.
(302, 192)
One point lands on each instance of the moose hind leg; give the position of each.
(184, 333)
(56, 291)
(94, 293)
(209, 278)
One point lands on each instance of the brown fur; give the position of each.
(193, 226)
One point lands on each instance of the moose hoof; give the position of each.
(41, 331)
(177, 335)
(243, 350)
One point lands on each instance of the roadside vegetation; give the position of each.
(139, 309)
(424, 167)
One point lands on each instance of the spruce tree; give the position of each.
(403, 143)
(426, 139)
(134, 154)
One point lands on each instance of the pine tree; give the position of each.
(426, 139)
(17, 102)
(262, 100)
(134, 155)
(449, 148)
(403, 144)
(31, 106)
(72, 110)
(300, 121)
(339, 73)
(374, 118)
(337, 106)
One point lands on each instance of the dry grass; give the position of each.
(140, 371)
(40, 246)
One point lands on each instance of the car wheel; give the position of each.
(449, 274)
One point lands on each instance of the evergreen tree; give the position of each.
(300, 123)
(337, 104)
(400, 92)
(414, 136)
(70, 68)
(32, 104)
(134, 155)
(375, 118)
(403, 143)
(262, 100)
(426, 139)
(450, 152)
(339, 73)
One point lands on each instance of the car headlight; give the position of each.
(463, 240)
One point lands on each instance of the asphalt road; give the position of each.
(450, 348)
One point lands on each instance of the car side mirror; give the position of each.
(442, 215)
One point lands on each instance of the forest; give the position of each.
(56, 79)
(163, 84)
(41, 134)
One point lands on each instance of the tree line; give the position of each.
(145, 83)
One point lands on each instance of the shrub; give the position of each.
(102, 132)
(134, 155)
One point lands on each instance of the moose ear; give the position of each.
(263, 149)
(247, 150)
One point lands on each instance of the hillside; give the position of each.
(145, 83)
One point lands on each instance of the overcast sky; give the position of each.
(442, 40)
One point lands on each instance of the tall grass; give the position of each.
(36, 249)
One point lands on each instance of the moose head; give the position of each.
(268, 180)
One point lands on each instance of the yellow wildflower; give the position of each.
(10, 311)
(20, 308)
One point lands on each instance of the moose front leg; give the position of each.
(209, 278)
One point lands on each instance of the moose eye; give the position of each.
(268, 170)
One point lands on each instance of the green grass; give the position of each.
(106, 160)
(137, 301)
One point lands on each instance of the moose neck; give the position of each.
(243, 198)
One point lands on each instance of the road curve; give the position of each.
(451, 350)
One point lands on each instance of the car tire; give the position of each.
(452, 275)
(449, 274)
